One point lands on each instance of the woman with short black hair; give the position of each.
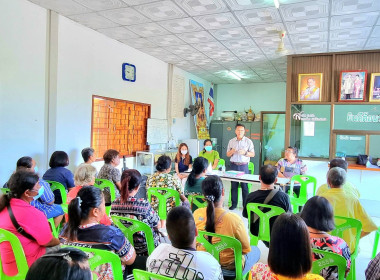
(289, 252)
(319, 217)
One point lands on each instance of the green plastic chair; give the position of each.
(251, 169)
(102, 184)
(18, 251)
(162, 195)
(97, 257)
(145, 275)
(375, 243)
(264, 218)
(341, 225)
(329, 259)
(136, 226)
(4, 190)
(226, 242)
(221, 163)
(54, 230)
(196, 200)
(58, 186)
(304, 180)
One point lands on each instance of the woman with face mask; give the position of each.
(85, 213)
(183, 161)
(208, 153)
(16, 211)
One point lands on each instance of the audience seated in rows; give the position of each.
(319, 218)
(268, 177)
(208, 153)
(24, 187)
(346, 205)
(180, 257)
(193, 185)
(373, 270)
(217, 220)
(110, 172)
(162, 179)
(289, 252)
(84, 176)
(57, 172)
(136, 208)
(64, 264)
(348, 187)
(83, 227)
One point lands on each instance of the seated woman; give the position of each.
(208, 153)
(289, 252)
(162, 179)
(215, 219)
(110, 172)
(83, 227)
(291, 165)
(84, 176)
(66, 263)
(183, 161)
(193, 184)
(136, 208)
(24, 188)
(319, 218)
(57, 172)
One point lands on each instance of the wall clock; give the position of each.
(129, 72)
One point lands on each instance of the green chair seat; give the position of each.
(375, 243)
(18, 251)
(251, 169)
(136, 226)
(300, 201)
(264, 220)
(329, 259)
(162, 194)
(145, 275)
(4, 190)
(198, 200)
(104, 183)
(58, 186)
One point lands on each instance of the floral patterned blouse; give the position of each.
(163, 180)
(262, 271)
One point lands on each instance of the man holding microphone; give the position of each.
(240, 149)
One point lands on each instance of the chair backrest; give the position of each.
(196, 200)
(226, 242)
(221, 163)
(98, 257)
(18, 252)
(145, 275)
(264, 219)
(54, 230)
(58, 186)
(162, 194)
(329, 259)
(136, 226)
(342, 224)
(304, 181)
(251, 167)
(4, 190)
(104, 183)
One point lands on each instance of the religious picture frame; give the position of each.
(374, 91)
(352, 86)
(310, 87)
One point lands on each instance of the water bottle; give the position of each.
(223, 169)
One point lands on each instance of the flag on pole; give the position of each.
(210, 100)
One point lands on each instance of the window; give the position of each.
(118, 124)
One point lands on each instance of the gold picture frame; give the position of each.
(310, 87)
(374, 89)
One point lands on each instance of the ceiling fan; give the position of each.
(281, 50)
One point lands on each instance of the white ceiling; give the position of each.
(210, 37)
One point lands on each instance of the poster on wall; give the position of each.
(197, 97)
(352, 85)
(310, 87)
(374, 93)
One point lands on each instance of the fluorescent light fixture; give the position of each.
(276, 3)
(235, 75)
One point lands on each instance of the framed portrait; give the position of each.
(352, 85)
(310, 87)
(374, 92)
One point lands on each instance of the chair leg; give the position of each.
(352, 274)
(375, 243)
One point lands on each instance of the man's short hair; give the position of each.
(87, 153)
(336, 176)
(268, 174)
(240, 124)
(180, 225)
(338, 162)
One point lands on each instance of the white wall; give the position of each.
(22, 83)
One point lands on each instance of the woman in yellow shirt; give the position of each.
(215, 219)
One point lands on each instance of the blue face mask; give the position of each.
(208, 148)
(40, 192)
(36, 170)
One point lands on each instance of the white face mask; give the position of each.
(184, 152)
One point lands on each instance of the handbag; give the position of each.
(362, 160)
(19, 228)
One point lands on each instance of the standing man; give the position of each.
(240, 149)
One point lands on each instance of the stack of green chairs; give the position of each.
(18, 252)
(264, 218)
(145, 275)
(375, 243)
(329, 259)
(136, 226)
(251, 168)
(102, 184)
(58, 186)
(300, 201)
(341, 225)
(162, 194)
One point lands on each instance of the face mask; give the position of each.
(40, 192)
(36, 170)
(184, 152)
(208, 148)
